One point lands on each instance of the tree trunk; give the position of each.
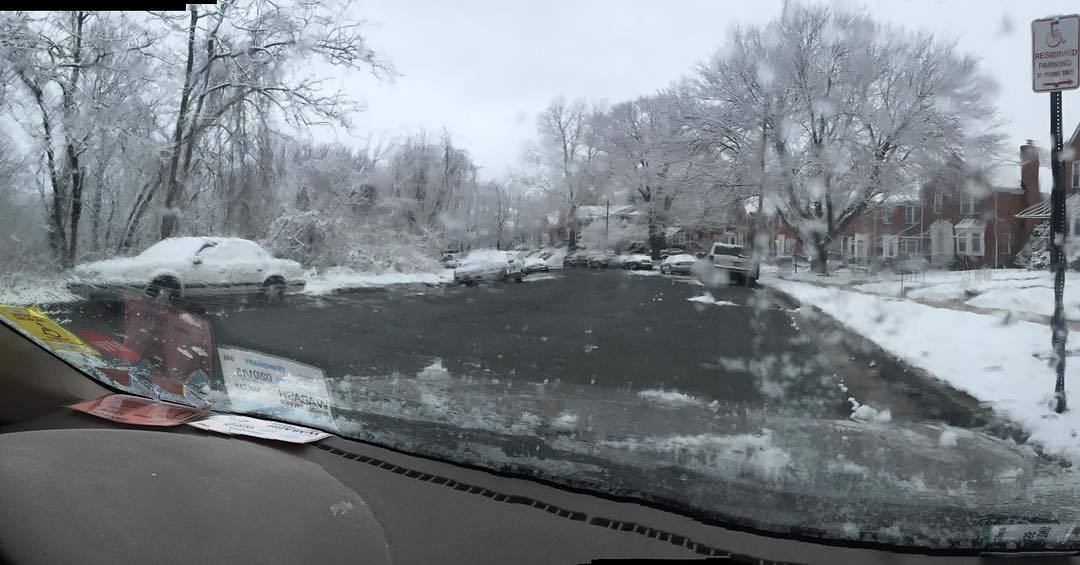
(169, 218)
(819, 253)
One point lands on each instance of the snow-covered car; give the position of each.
(665, 253)
(534, 264)
(576, 259)
(449, 261)
(636, 261)
(735, 261)
(192, 266)
(681, 264)
(488, 266)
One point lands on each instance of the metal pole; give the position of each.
(1060, 332)
(607, 212)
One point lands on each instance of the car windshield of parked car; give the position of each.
(799, 267)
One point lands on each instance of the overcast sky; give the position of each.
(483, 69)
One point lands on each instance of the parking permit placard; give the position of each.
(243, 425)
(37, 324)
(257, 382)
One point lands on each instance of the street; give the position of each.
(607, 329)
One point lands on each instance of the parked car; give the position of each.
(449, 261)
(680, 264)
(534, 264)
(181, 267)
(664, 253)
(575, 259)
(736, 261)
(488, 266)
(601, 260)
(636, 261)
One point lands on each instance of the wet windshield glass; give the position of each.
(785, 265)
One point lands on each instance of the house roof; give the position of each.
(1041, 211)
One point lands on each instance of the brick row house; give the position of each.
(981, 224)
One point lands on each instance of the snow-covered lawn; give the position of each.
(343, 278)
(1013, 290)
(1002, 364)
(29, 291)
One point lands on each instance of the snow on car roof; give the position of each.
(679, 258)
(177, 247)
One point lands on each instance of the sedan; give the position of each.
(575, 260)
(681, 264)
(534, 264)
(494, 266)
(193, 266)
(601, 261)
(636, 261)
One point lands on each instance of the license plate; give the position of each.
(738, 263)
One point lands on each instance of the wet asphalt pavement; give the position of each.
(603, 328)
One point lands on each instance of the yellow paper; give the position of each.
(37, 324)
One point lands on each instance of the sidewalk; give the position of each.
(1008, 294)
(1002, 361)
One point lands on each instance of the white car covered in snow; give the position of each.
(193, 266)
(534, 264)
(488, 265)
(681, 264)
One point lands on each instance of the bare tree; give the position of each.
(851, 110)
(237, 53)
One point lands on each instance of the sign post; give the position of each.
(1055, 64)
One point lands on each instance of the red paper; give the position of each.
(109, 345)
(138, 411)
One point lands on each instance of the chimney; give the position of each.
(1029, 173)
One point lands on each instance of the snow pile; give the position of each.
(867, 413)
(1004, 365)
(344, 278)
(667, 397)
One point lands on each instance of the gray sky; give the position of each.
(484, 68)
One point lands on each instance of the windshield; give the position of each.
(790, 266)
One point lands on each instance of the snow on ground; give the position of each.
(642, 273)
(708, 299)
(25, 291)
(343, 278)
(1013, 290)
(1003, 364)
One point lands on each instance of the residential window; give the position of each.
(911, 215)
(1075, 225)
(1005, 243)
(888, 245)
(939, 202)
(909, 246)
(886, 216)
(961, 244)
(968, 205)
(976, 243)
(1076, 174)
